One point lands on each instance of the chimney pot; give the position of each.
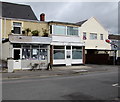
(42, 17)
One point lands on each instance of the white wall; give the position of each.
(6, 50)
(66, 40)
(93, 26)
(63, 38)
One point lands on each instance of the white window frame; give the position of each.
(101, 36)
(65, 31)
(78, 50)
(85, 36)
(54, 29)
(73, 27)
(17, 26)
(93, 38)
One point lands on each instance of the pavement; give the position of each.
(58, 71)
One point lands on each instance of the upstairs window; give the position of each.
(101, 36)
(17, 27)
(93, 36)
(84, 36)
(72, 30)
(60, 30)
(63, 30)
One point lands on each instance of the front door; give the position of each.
(17, 52)
(68, 58)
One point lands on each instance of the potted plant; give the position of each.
(45, 32)
(35, 33)
(12, 31)
(27, 30)
(23, 32)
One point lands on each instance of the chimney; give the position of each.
(42, 17)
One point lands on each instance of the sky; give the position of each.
(105, 12)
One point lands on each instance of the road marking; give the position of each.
(115, 85)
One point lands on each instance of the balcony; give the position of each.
(29, 39)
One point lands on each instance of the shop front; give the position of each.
(68, 53)
(25, 53)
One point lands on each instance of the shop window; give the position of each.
(26, 53)
(59, 52)
(35, 53)
(43, 54)
(76, 52)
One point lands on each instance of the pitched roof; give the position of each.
(17, 11)
(81, 22)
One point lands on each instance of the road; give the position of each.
(90, 86)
